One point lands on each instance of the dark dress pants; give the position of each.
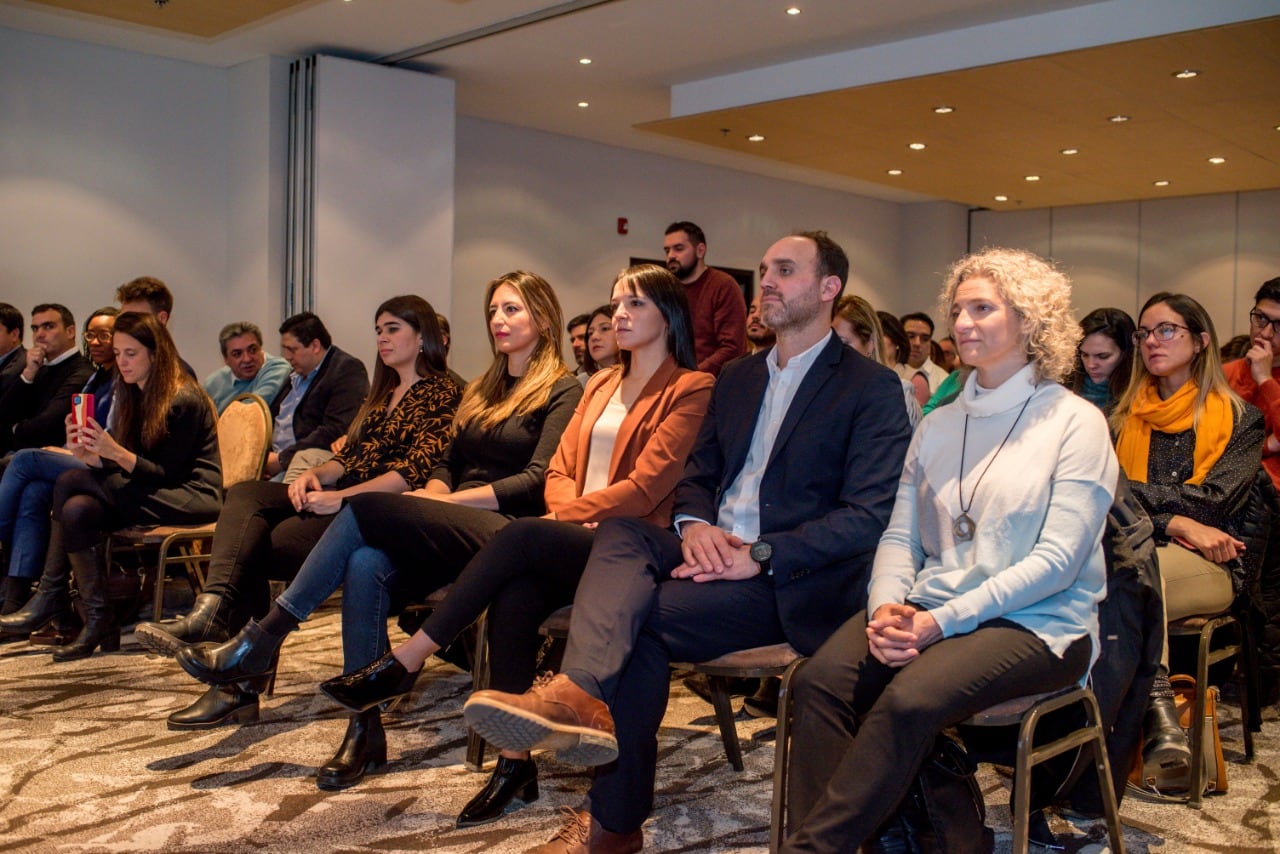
(862, 729)
(631, 619)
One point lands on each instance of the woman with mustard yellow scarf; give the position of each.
(1190, 448)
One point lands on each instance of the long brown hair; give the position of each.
(487, 400)
(145, 411)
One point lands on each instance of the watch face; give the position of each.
(761, 552)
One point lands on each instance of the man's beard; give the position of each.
(679, 272)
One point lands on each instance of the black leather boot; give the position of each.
(1164, 745)
(363, 749)
(512, 778)
(251, 654)
(100, 628)
(16, 593)
(52, 598)
(221, 704)
(206, 622)
(383, 681)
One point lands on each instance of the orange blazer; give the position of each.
(648, 457)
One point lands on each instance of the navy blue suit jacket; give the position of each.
(828, 488)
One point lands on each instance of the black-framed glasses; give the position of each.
(1162, 331)
(98, 337)
(1259, 321)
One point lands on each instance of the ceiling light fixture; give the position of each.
(1002, 198)
(1118, 118)
(586, 60)
(1186, 74)
(1070, 151)
(916, 146)
(1217, 161)
(944, 109)
(793, 11)
(1161, 183)
(584, 104)
(1032, 178)
(894, 171)
(755, 137)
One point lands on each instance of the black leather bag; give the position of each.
(942, 813)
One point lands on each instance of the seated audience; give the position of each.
(248, 370)
(325, 391)
(33, 409)
(149, 295)
(505, 431)
(267, 529)
(602, 344)
(950, 359)
(897, 347)
(577, 329)
(759, 336)
(787, 489)
(987, 581)
(918, 327)
(160, 467)
(12, 353)
(1256, 375)
(621, 455)
(857, 325)
(1191, 448)
(1104, 358)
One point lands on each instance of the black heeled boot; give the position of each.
(251, 654)
(206, 622)
(382, 681)
(221, 704)
(512, 778)
(363, 749)
(100, 628)
(16, 593)
(1164, 746)
(52, 598)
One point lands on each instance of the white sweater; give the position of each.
(1036, 556)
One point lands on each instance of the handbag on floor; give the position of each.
(1179, 779)
(942, 813)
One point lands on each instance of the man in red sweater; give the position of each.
(1256, 377)
(715, 300)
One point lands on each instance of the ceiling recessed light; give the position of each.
(1032, 178)
(755, 137)
(916, 146)
(586, 60)
(1070, 151)
(584, 104)
(1161, 183)
(1186, 74)
(1217, 161)
(894, 171)
(793, 10)
(1119, 117)
(944, 109)
(1002, 198)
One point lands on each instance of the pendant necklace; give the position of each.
(963, 527)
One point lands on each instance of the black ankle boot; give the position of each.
(52, 598)
(363, 749)
(16, 593)
(206, 622)
(512, 778)
(383, 681)
(1164, 746)
(251, 654)
(100, 628)
(219, 705)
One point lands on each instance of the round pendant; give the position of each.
(963, 528)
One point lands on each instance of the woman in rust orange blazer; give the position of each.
(621, 455)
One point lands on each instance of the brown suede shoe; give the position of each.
(554, 714)
(583, 835)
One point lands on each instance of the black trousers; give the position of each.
(862, 729)
(631, 619)
(528, 570)
(259, 537)
(85, 508)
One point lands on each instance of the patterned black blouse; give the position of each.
(410, 441)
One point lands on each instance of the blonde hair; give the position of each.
(1038, 293)
(860, 314)
(487, 401)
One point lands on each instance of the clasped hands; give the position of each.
(897, 634)
(307, 493)
(712, 554)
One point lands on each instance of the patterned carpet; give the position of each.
(87, 765)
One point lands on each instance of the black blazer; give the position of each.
(329, 405)
(33, 415)
(828, 488)
(11, 364)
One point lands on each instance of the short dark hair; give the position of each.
(443, 323)
(832, 260)
(150, 289)
(235, 330)
(893, 330)
(696, 235)
(67, 318)
(11, 319)
(920, 316)
(1270, 290)
(578, 320)
(306, 327)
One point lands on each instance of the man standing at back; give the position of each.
(715, 300)
(785, 495)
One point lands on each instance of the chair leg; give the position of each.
(781, 759)
(1195, 794)
(1103, 767)
(1021, 805)
(479, 681)
(724, 717)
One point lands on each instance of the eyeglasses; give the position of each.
(1163, 332)
(1259, 321)
(98, 337)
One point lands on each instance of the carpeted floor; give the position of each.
(87, 765)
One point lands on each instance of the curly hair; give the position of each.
(1038, 292)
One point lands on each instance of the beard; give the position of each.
(794, 313)
(680, 272)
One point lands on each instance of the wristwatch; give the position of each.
(762, 553)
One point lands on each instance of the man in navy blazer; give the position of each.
(786, 493)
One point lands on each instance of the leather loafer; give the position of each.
(363, 749)
(221, 704)
(249, 655)
(382, 681)
(512, 778)
(555, 714)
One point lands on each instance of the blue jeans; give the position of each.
(343, 559)
(26, 497)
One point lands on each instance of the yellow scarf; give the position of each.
(1175, 415)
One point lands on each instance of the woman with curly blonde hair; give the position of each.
(987, 581)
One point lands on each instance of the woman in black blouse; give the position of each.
(507, 427)
(161, 466)
(268, 528)
(1190, 448)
